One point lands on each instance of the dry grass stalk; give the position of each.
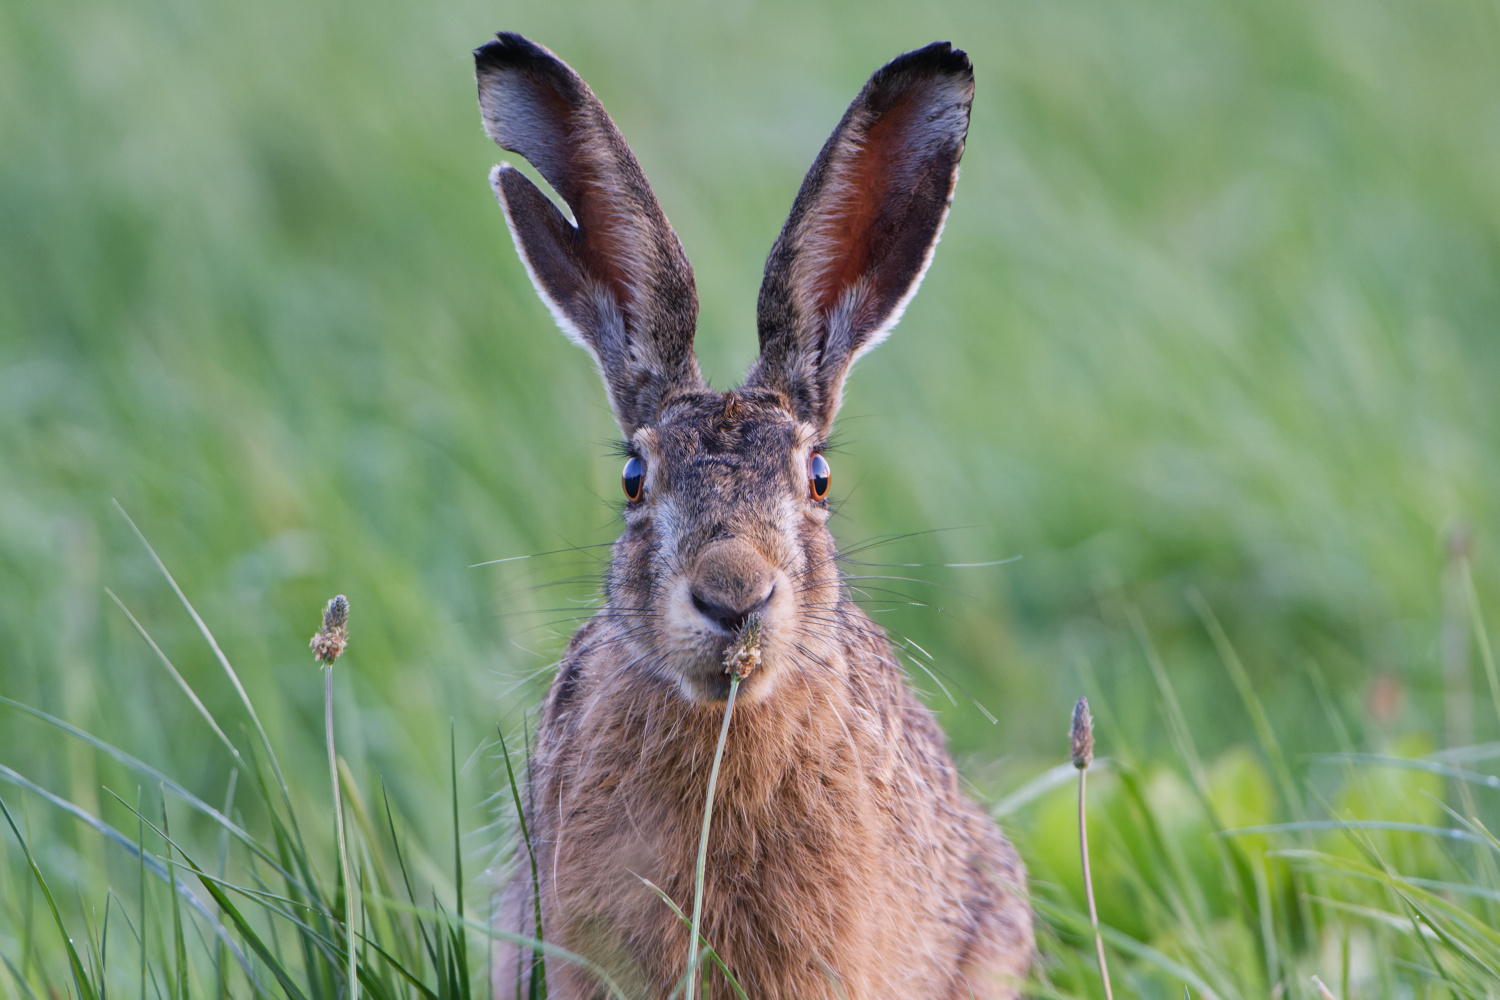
(739, 660)
(1082, 740)
(327, 646)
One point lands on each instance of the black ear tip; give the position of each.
(509, 51)
(939, 58)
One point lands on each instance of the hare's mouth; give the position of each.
(710, 639)
(708, 654)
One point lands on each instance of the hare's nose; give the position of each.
(727, 617)
(730, 581)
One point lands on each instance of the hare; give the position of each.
(844, 861)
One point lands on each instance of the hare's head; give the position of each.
(726, 492)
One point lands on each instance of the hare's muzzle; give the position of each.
(729, 582)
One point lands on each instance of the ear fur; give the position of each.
(617, 282)
(863, 228)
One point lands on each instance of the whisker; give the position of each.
(538, 555)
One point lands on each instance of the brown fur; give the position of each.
(844, 860)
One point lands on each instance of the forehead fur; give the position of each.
(734, 428)
(728, 451)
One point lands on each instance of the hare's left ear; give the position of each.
(617, 282)
(863, 228)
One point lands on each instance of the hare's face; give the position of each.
(727, 525)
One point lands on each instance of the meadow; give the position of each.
(1196, 414)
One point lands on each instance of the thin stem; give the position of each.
(1088, 883)
(338, 821)
(708, 815)
(223, 660)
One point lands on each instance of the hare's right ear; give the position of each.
(862, 229)
(617, 282)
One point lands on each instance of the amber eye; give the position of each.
(818, 474)
(634, 480)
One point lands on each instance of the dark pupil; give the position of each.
(819, 472)
(634, 479)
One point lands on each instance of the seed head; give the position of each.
(744, 655)
(334, 635)
(1082, 735)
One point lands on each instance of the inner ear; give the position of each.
(862, 230)
(861, 227)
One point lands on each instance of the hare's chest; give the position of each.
(790, 882)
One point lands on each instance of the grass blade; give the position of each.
(460, 936)
(151, 864)
(537, 987)
(157, 778)
(178, 979)
(86, 989)
(1264, 734)
(234, 678)
(702, 866)
(708, 951)
(181, 681)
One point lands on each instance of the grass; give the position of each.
(1384, 883)
(1209, 344)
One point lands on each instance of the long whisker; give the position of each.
(973, 565)
(538, 555)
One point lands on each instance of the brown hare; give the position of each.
(844, 861)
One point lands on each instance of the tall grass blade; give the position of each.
(460, 936)
(489, 930)
(700, 873)
(1183, 739)
(157, 778)
(178, 979)
(708, 951)
(537, 981)
(151, 864)
(20, 978)
(1264, 734)
(221, 974)
(1415, 764)
(234, 678)
(247, 932)
(1079, 924)
(140, 854)
(86, 989)
(1442, 832)
(1039, 786)
(406, 878)
(181, 681)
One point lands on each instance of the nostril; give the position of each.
(762, 604)
(708, 609)
(727, 618)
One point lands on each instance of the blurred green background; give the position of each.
(1215, 313)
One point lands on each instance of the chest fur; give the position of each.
(811, 803)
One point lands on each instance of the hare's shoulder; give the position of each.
(569, 682)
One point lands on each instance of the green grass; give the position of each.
(1375, 876)
(1209, 344)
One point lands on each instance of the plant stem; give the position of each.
(1088, 882)
(338, 821)
(708, 815)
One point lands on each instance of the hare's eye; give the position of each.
(634, 480)
(818, 474)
